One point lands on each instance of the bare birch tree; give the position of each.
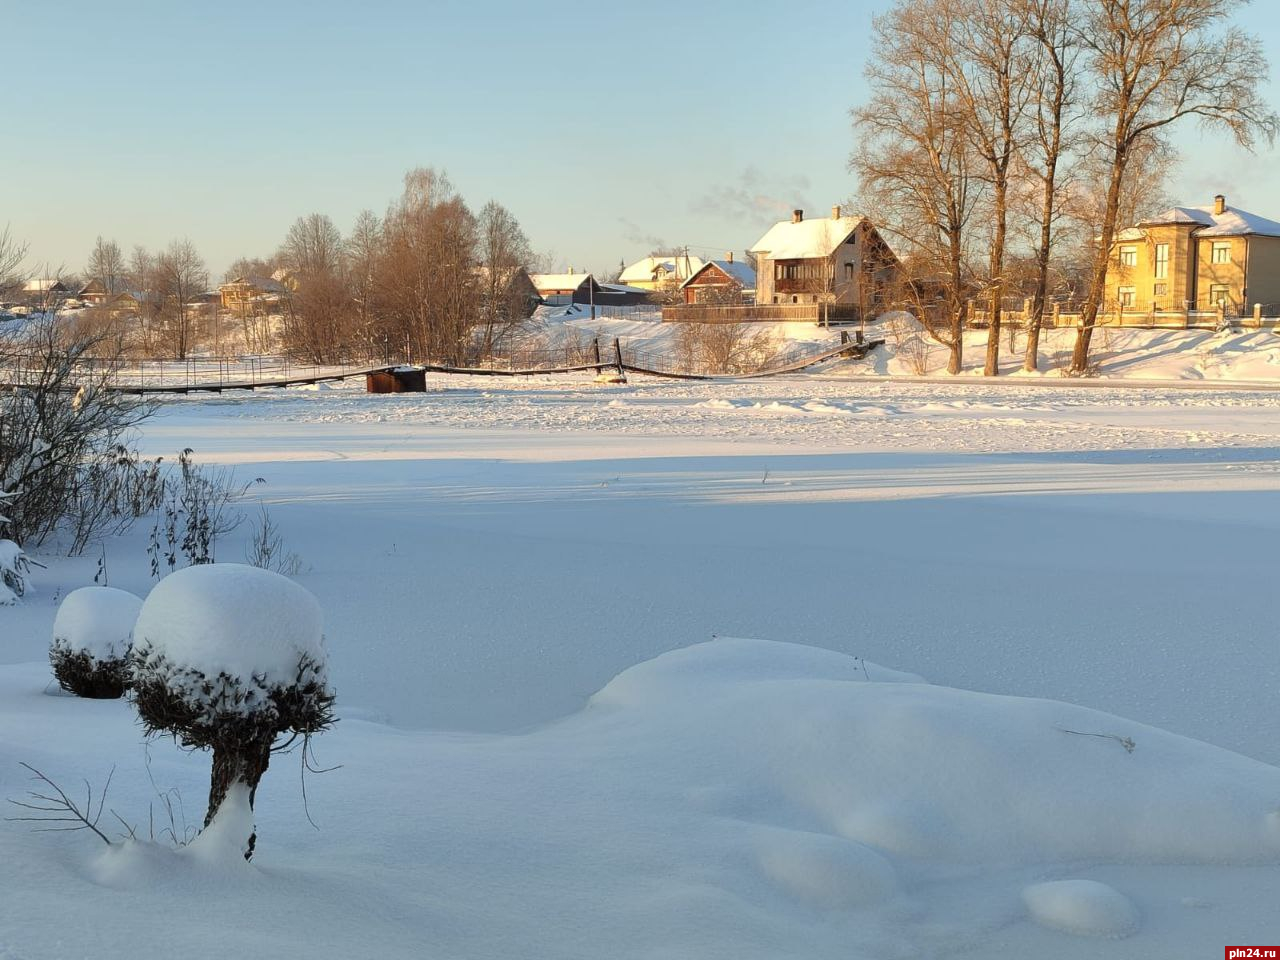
(503, 252)
(106, 263)
(1155, 63)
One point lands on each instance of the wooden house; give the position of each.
(839, 260)
(722, 282)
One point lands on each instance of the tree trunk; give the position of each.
(246, 765)
(1102, 257)
(991, 367)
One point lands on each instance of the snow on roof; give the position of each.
(41, 285)
(622, 288)
(643, 271)
(1230, 223)
(739, 271)
(261, 283)
(807, 239)
(559, 281)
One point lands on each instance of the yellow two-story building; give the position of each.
(1196, 258)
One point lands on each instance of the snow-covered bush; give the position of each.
(14, 567)
(228, 657)
(91, 636)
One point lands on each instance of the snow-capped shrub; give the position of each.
(91, 637)
(228, 657)
(14, 567)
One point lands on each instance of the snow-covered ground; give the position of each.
(545, 754)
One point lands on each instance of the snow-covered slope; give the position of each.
(735, 799)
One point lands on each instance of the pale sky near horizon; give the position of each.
(607, 129)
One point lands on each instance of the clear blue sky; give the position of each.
(607, 128)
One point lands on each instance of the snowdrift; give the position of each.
(737, 798)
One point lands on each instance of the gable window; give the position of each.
(1222, 252)
(1162, 261)
(1126, 296)
(1128, 256)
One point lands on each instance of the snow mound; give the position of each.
(787, 735)
(232, 619)
(1085, 908)
(97, 621)
(729, 660)
(825, 871)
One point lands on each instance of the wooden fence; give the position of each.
(820, 313)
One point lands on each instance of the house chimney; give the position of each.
(835, 212)
(1219, 205)
(729, 256)
(797, 216)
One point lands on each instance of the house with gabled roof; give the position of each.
(726, 281)
(1198, 259)
(663, 272)
(836, 260)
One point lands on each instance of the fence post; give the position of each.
(1257, 315)
(595, 345)
(617, 351)
(1222, 314)
(972, 314)
(1057, 313)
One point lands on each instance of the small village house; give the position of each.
(94, 292)
(44, 291)
(839, 260)
(1196, 259)
(562, 289)
(242, 294)
(660, 272)
(722, 282)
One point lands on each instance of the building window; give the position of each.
(1222, 253)
(1128, 256)
(849, 271)
(1161, 290)
(1162, 261)
(1219, 293)
(1126, 296)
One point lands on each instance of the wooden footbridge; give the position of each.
(186, 377)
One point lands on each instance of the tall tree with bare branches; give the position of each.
(994, 90)
(915, 161)
(1056, 119)
(106, 263)
(503, 252)
(180, 274)
(1155, 63)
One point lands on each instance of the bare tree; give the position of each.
(914, 159)
(427, 274)
(1155, 63)
(313, 253)
(503, 252)
(106, 263)
(180, 274)
(12, 254)
(1056, 118)
(994, 87)
(364, 247)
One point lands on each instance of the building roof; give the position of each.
(42, 285)
(643, 271)
(265, 284)
(1230, 223)
(806, 240)
(739, 271)
(559, 281)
